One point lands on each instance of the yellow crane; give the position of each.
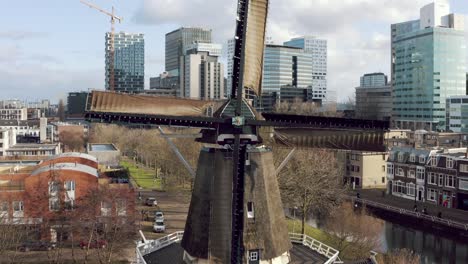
(111, 49)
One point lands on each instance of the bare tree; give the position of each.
(354, 232)
(401, 256)
(61, 110)
(312, 182)
(299, 107)
(72, 140)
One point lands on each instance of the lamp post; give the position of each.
(294, 217)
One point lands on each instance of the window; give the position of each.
(431, 195)
(434, 161)
(422, 159)
(253, 255)
(400, 172)
(18, 206)
(250, 210)
(68, 205)
(450, 181)
(70, 185)
(449, 163)
(53, 188)
(432, 178)
(392, 156)
(411, 174)
(412, 158)
(441, 180)
(4, 206)
(420, 173)
(383, 168)
(463, 167)
(121, 207)
(400, 157)
(411, 189)
(390, 169)
(54, 204)
(463, 185)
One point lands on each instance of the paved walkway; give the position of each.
(376, 196)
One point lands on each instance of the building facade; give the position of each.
(318, 49)
(177, 42)
(14, 114)
(374, 97)
(428, 66)
(201, 75)
(364, 170)
(76, 104)
(129, 61)
(377, 79)
(457, 114)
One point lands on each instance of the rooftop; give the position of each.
(67, 166)
(22, 147)
(102, 147)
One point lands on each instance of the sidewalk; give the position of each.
(447, 213)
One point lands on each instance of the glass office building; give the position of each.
(177, 42)
(428, 66)
(129, 61)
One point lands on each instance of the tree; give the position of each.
(400, 256)
(72, 140)
(61, 110)
(312, 182)
(354, 233)
(299, 107)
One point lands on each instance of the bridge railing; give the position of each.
(155, 245)
(446, 222)
(330, 253)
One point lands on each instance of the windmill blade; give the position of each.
(358, 140)
(112, 102)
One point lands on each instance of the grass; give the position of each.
(144, 177)
(322, 236)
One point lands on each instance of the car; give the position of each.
(158, 216)
(159, 226)
(93, 244)
(36, 246)
(151, 201)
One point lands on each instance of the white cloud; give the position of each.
(357, 30)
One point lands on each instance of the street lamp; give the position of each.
(294, 217)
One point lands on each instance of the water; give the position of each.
(432, 249)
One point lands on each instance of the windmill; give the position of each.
(236, 214)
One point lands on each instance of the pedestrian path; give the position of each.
(379, 196)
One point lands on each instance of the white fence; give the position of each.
(317, 246)
(154, 245)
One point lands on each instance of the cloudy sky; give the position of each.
(51, 47)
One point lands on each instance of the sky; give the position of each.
(51, 47)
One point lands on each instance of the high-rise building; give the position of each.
(129, 61)
(230, 64)
(288, 67)
(428, 66)
(457, 114)
(177, 42)
(374, 80)
(201, 75)
(76, 104)
(318, 49)
(374, 97)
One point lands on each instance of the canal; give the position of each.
(433, 249)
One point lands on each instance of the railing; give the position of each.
(317, 246)
(434, 219)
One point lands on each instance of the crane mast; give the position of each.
(111, 56)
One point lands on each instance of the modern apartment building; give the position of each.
(428, 66)
(201, 75)
(177, 42)
(457, 114)
(318, 48)
(129, 61)
(374, 98)
(14, 114)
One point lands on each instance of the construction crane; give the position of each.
(112, 49)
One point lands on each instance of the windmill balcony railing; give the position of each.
(151, 246)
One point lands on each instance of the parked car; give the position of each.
(151, 201)
(159, 226)
(36, 246)
(159, 216)
(94, 244)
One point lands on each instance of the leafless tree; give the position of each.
(61, 110)
(355, 233)
(72, 140)
(299, 107)
(312, 182)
